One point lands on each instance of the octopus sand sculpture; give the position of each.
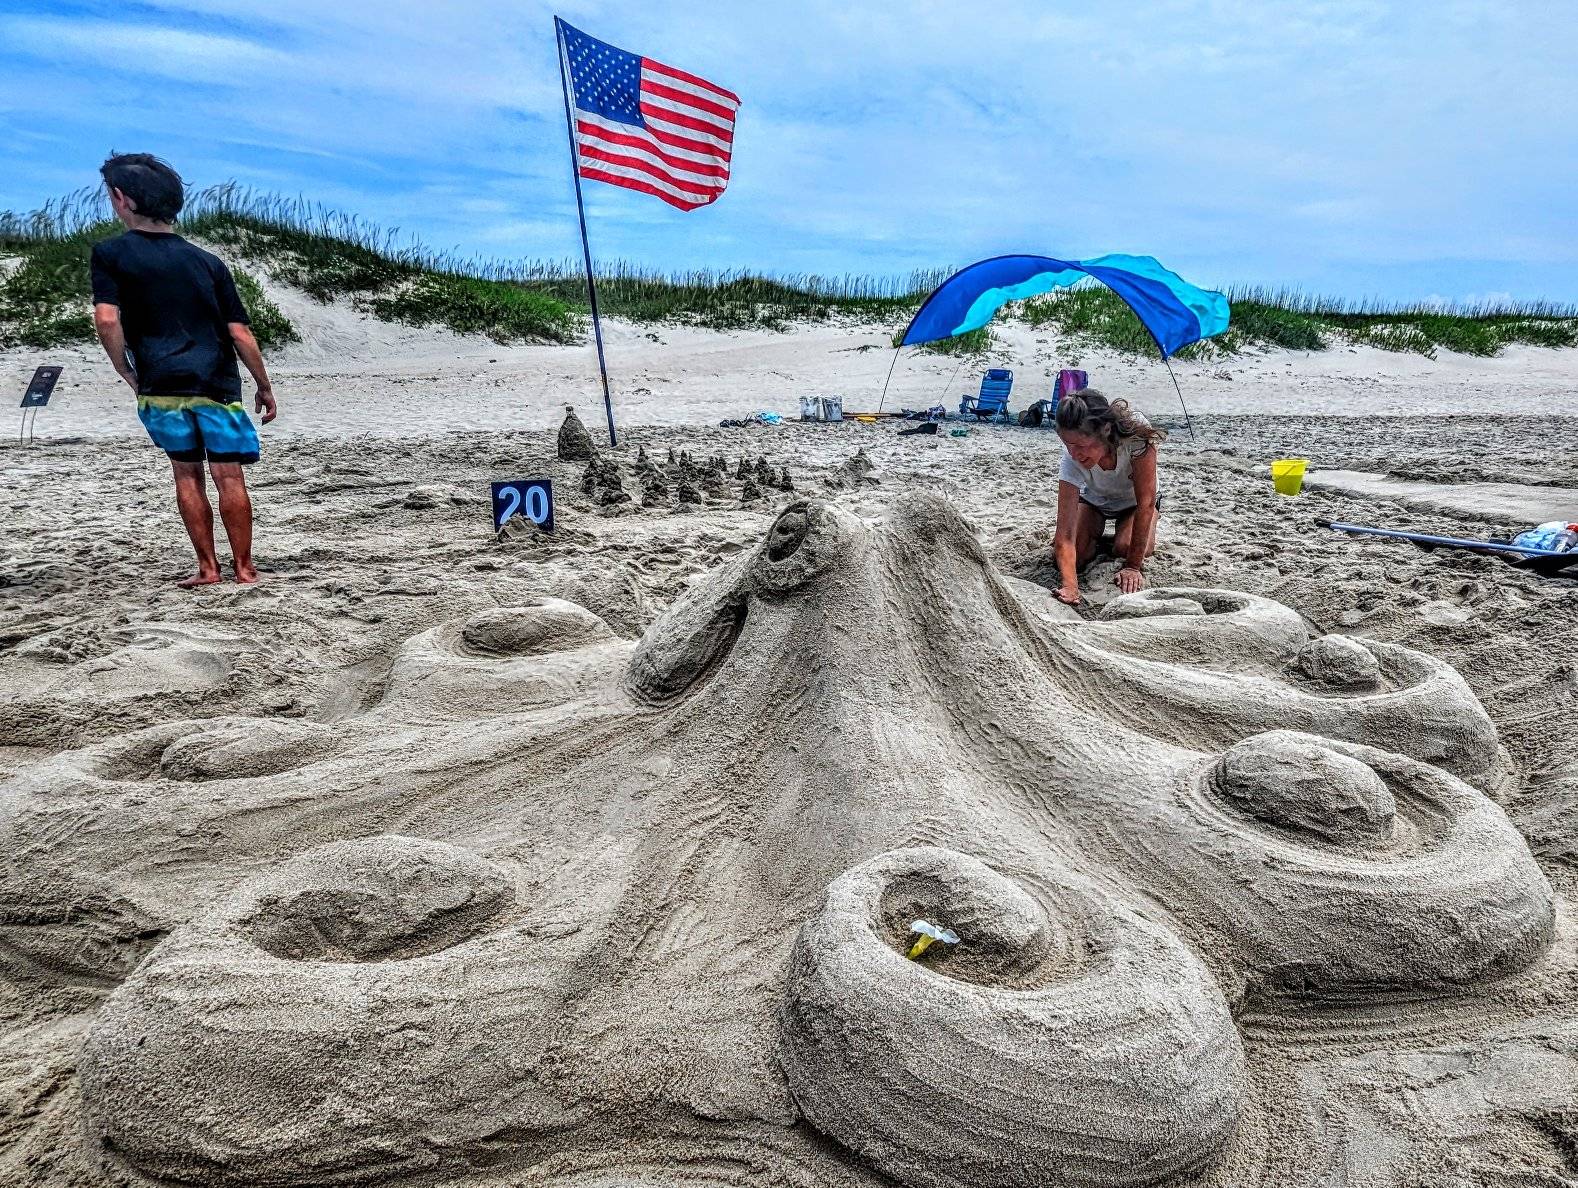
(567, 909)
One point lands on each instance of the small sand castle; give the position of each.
(575, 443)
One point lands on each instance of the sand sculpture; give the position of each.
(575, 443)
(637, 913)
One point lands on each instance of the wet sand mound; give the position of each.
(595, 911)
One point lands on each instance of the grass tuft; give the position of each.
(468, 305)
(269, 325)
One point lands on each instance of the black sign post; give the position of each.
(531, 498)
(39, 390)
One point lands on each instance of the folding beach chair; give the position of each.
(1044, 412)
(993, 398)
(1070, 379)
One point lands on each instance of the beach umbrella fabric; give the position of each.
(1175, 312)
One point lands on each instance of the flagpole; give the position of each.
(580, 210)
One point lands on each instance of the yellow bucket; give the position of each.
(1287, 474)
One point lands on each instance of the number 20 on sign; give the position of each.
(532, 498)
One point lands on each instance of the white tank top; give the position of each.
(1110, 490)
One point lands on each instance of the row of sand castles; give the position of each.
(604, 481)
(691, 481)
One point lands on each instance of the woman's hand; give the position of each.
(1130, 580)
(1067, 594)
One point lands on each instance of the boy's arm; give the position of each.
(107, 322)
(235, 315)
(247, 351)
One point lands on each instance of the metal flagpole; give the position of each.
(580, 210)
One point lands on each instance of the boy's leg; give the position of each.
(231, 442)
(174, 430)
(191, 496)
(235, 509)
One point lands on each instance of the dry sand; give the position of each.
(590, 859)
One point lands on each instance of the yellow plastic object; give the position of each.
(928, 934)
(1287, 474)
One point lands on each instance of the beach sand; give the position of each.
(590, 858)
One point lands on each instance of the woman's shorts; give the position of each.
(1120, 513)
(191, 428)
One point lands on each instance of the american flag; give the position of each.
(647, 126)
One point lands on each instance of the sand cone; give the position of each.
(575, 443)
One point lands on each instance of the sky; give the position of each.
(1396, 151)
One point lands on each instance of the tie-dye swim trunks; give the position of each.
(190, 428)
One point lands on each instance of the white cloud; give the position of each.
(174, 53)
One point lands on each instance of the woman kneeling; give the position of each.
(1108, 473)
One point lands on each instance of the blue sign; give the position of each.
(532, 498)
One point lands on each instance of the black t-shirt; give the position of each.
(176, 304)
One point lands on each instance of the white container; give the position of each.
(832, 408)
(810, 408)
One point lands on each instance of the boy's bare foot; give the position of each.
(202, 577)
(247, 574)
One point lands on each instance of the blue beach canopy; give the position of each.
(1174, 311)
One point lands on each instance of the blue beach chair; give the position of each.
(993, 398)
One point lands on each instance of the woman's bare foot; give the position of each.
(246, 574)
(203, 577)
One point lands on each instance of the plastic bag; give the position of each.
(1555, 537)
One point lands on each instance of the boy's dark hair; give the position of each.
(147, 181)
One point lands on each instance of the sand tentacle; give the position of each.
(1245, 666)
(328, 1022)
(1064, 1039)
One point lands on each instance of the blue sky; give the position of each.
(1397, 150)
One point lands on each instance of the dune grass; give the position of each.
(1296, 321)
(45, 293)
(327, 254)
(46, 289)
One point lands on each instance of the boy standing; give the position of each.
(172, 324)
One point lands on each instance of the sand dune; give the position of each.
(353, 374)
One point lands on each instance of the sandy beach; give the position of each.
(589, 858)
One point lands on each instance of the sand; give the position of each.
(592, 858)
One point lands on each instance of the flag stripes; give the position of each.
(648, 126)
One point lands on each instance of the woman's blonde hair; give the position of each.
(1089, 412)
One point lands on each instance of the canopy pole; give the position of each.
(1188, 420)
(889, 380)
(586, 247)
